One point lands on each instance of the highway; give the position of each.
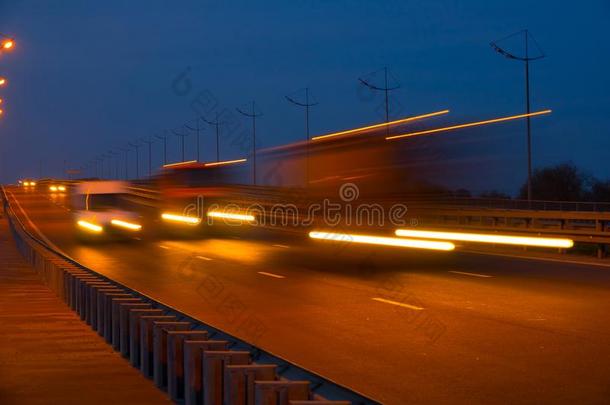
(400, 326)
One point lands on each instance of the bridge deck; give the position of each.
(47, 355)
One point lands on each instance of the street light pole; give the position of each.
(149, 142)
(196, 129)
(182, 136)
(217, 125)
(252, 115)
(137, 148)
(307, 104)
(164, 138)
(526, 59)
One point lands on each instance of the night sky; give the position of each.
(87, 77)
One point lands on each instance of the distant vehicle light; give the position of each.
(32, 183)
(8, 44)
(26, 183)
(53, 188)
(90, 226)
(488, 238)
(180, 218)
(379, 240)
(61, 188)
(126, 225)
(231, 215)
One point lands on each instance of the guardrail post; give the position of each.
(193, 367)
(120, 324)
(280, 392)
(108, 299)
(214, 363)
(146, 341)
(239, 382)
(134, 332)
(175, 359)
(160, 329)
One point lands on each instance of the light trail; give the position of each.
(382, 125)
(180, 218)
(90, 226)
(488, 238)
(378, 240)
(126, 225)
(470, 124)
(230, 215)
(225, 162)
(179, 163)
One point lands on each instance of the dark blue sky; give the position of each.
(87, 77)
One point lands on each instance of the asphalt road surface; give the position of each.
(400, 326)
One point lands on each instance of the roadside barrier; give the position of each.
(193, 362)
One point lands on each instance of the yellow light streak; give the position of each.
(379, 240)
(488, 238)
(180, 218)
(226, 162)
(180, 163)
(382, 125)
(53, 188)
(230, 215)
(90, 226)
(126, 225)
(470, 124)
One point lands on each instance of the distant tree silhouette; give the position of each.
(600, 191)
(563, 182)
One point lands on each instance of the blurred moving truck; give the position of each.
(99, 210)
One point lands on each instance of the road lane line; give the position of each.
(164, 247)
(203, 258)
(281, 246)
(543, 259)
(400, 304)
(465, 273)
(264, 273)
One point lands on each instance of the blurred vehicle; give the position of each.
(28, 183)
(99, 210)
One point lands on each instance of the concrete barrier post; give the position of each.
(214, 363)
(146, 341)
(134, 332)
(124, 327)
(117, 328)
(193, 367)
(108, 319)
(100, 302)
(160, 329)
(280, 392)
(239, 382)
(175, 359)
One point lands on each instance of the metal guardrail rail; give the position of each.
(194, 362)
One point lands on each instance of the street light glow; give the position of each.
(488, 238)
(467, 125)
(2, 81)
(379, 240)
(382, 125)
(8, 44)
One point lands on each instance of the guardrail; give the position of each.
(194, 362)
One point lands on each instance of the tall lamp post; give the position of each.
(217, 125)
(164, 139)
(252, 115)
(526, 59)
(307, 104)
(386, 89)
(182, 136)
(196, 129)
